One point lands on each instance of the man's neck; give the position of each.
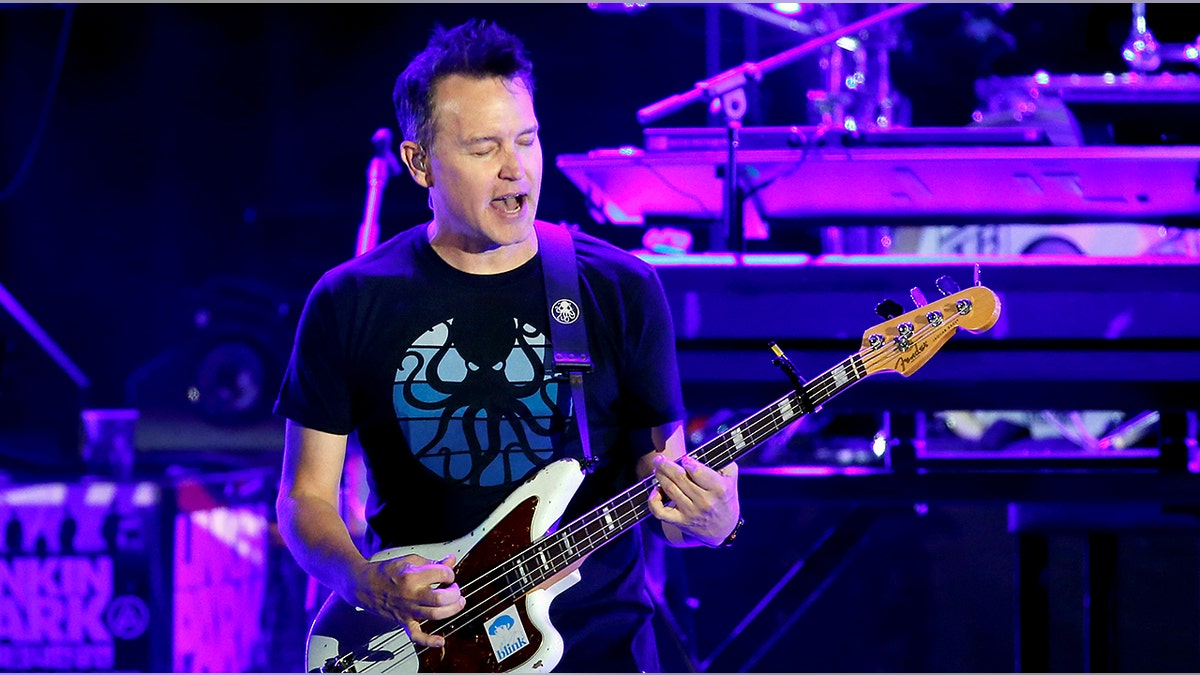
(475, 258)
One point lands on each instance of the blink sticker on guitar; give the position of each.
(516, 562)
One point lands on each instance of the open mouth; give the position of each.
(511, 204)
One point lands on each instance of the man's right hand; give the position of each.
(409, 590)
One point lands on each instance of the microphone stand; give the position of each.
(382, 166)
(729, 88)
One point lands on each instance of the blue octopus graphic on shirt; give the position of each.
(473, 397)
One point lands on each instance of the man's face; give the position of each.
(486, 161)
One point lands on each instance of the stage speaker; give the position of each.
(41, 394)
(213, 392)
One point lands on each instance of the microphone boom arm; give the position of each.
(735, 77)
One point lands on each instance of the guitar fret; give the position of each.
(735, 434)
(839, 375)
(827, 389)
(786, 412)
(590, 533)
(512, 579)
(559, 547)
(757, 436)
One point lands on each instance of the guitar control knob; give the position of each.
(889, 309)
(947, 285)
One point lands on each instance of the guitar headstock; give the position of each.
(903, 344)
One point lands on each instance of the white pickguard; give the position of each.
(339, 628)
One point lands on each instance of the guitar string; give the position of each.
(585, 537)
(821, 388)
(582, 532)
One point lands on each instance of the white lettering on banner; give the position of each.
(59, 600)
(44, 619)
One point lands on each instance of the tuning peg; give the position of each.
(889, 309)
(917, 296)
(947, 285)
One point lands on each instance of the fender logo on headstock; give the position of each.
(911, 356)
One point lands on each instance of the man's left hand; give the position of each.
(700, 502)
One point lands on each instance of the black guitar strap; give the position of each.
(568, 333)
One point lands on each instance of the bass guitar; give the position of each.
(516, 562)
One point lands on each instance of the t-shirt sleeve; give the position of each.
(315, 391)
(651, 379)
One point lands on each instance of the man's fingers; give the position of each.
(446, 603)
(435, 574)
(422, 590)
(673, 480)
(701, 475)
(708, 479)
(421, 637)
(440, 597)
(421, 572)
(447, 609)
(439, 608)
(674, 493)
(661, 511)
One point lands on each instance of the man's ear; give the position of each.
(417, 161)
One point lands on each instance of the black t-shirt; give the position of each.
(446, 376)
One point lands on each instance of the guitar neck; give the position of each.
(747, 435)
(572, 542)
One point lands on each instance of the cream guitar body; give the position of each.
(491, 634)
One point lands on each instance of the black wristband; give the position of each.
(733, 535)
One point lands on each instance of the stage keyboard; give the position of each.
(1074, 333)
(838, 184)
